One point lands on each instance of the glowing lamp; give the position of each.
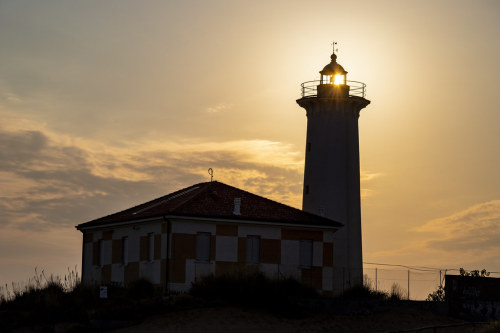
(333, 73)
(339, 79)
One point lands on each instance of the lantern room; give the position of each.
(333, 73)
(332, 83)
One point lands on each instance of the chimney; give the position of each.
(237, 206)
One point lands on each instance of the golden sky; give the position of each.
(107, 104)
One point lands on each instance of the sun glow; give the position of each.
(339, 79)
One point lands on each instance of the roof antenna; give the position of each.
(211, 173)
(334, 49)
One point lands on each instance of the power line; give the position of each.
(419, 268)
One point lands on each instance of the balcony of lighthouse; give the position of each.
(310, 88)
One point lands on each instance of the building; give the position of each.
(331, 172)
(208, 228)
(213, 228)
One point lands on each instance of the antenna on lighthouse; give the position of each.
(211, 173)
(334, 49)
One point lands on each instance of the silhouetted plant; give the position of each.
(140, 289)
(363, 293)
(397, 293)
(474, 273)
(437, 296)
(280, 296)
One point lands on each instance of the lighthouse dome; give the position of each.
(333, 67)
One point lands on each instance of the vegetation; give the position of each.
(474, 273)
(439, 294)
(255, 290)
(47, 300)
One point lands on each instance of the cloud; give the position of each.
(48, 180)
(468, 238)
(473, 229)
(218, 108)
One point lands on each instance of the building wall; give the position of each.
(103, 254)
(278, 252)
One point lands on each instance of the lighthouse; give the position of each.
(331, 173)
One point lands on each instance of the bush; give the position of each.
(363, 293)
(397, 293)
(141, 289)
(280, 296)
(437, 296)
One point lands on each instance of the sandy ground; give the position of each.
(232, 319)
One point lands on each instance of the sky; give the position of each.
(108, 104)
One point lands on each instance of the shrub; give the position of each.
(141, 289)
(437, 296)
(397, 293)
(363, 293)
(280, 296)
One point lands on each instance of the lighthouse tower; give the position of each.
(331, 174)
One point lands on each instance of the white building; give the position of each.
(208, 228)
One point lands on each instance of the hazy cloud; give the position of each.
(475, 228)
(218, 108)
(468, 238)
(47, 181)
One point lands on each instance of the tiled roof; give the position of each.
(214, 200)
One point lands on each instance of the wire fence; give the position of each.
(412, 282)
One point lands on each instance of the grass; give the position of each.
(46, 300)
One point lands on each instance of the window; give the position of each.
(151, 246)
(306, 189)
(203, 246)
(125, 251)
(253, 249)
(306, 253)
(308, 146)
(326, 79)
(321, 211)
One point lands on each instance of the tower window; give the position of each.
(321, 211)
(306, 189)
(308, 147)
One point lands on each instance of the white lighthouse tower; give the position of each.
(331, 174)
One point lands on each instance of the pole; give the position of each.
(408, 284)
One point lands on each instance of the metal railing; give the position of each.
(310, 88)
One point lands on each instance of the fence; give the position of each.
(414, 283)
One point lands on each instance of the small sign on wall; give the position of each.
(103, 292)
